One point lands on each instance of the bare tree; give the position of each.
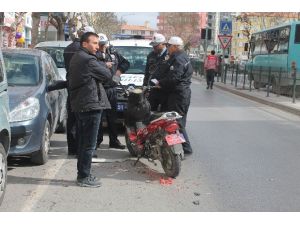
(104, 22)
(36, 19)
(58, 20)
(182, 24)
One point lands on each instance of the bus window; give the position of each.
(257, 45)
(284, 35)
(297, 35)
(272, 41)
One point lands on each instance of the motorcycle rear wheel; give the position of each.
(171, 162)
(130, 147)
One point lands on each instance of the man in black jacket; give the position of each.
(118, 65)
(85, 72)
(71, 119)
(176, 84)
(155, 67)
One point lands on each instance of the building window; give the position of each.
(151, 33)
(143, 32)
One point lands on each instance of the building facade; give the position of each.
(145, 30)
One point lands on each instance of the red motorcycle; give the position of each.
(154, 136)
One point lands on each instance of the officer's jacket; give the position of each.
(178, 74)
(159, 63)
(119, 63)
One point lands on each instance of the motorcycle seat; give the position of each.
(155, 115)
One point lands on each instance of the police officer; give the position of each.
(176, 84)
(118, 65)
(155, 66)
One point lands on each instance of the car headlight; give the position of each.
(26, 110)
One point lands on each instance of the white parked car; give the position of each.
(136, 52)
(56, 50)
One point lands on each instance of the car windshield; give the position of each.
(21, 69)
(137, 56)
(57, 54)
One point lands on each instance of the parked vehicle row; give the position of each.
(28, 113)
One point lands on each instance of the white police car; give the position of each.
(136, 52)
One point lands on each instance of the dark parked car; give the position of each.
(34, 113)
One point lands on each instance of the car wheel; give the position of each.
(41, 157)
(3, 172)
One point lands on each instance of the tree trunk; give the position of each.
(46, 28)
(60, 32)
(36, 18)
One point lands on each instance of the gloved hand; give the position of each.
(116, 79)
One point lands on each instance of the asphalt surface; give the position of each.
(246, 158)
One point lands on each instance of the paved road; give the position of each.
(246, 158)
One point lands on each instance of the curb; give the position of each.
(256, 99)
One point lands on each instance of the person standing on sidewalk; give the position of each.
(211, 67)
(85, 74)
(117, 65)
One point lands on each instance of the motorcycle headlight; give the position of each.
(26, 110)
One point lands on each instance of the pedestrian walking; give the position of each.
(85, 74)
(155, 67)
(211, 65)
(176, 85)
(117, 65)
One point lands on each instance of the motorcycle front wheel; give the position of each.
(171, 162)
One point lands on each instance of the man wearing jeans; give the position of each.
(85, 75)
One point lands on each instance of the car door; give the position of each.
(62, 94)
(53, 96)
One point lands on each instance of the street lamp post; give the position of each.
(205, 42)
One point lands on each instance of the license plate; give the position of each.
(174, 139)
(120, 107)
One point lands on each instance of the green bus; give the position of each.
(272, 52)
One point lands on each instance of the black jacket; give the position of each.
(85, 72)
(70, 51)
(176, 83)
(158, 62)
(120, 63)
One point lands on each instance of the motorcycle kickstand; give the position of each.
(138, 159)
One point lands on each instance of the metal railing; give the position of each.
(280, 81)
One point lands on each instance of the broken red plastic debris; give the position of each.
(167, 181)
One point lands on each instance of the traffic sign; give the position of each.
(226, 27)
(225, 40)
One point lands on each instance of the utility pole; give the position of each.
(1, 28)
(205, 42)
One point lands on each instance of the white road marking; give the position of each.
(38, 193)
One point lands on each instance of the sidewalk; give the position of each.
(282, 102)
